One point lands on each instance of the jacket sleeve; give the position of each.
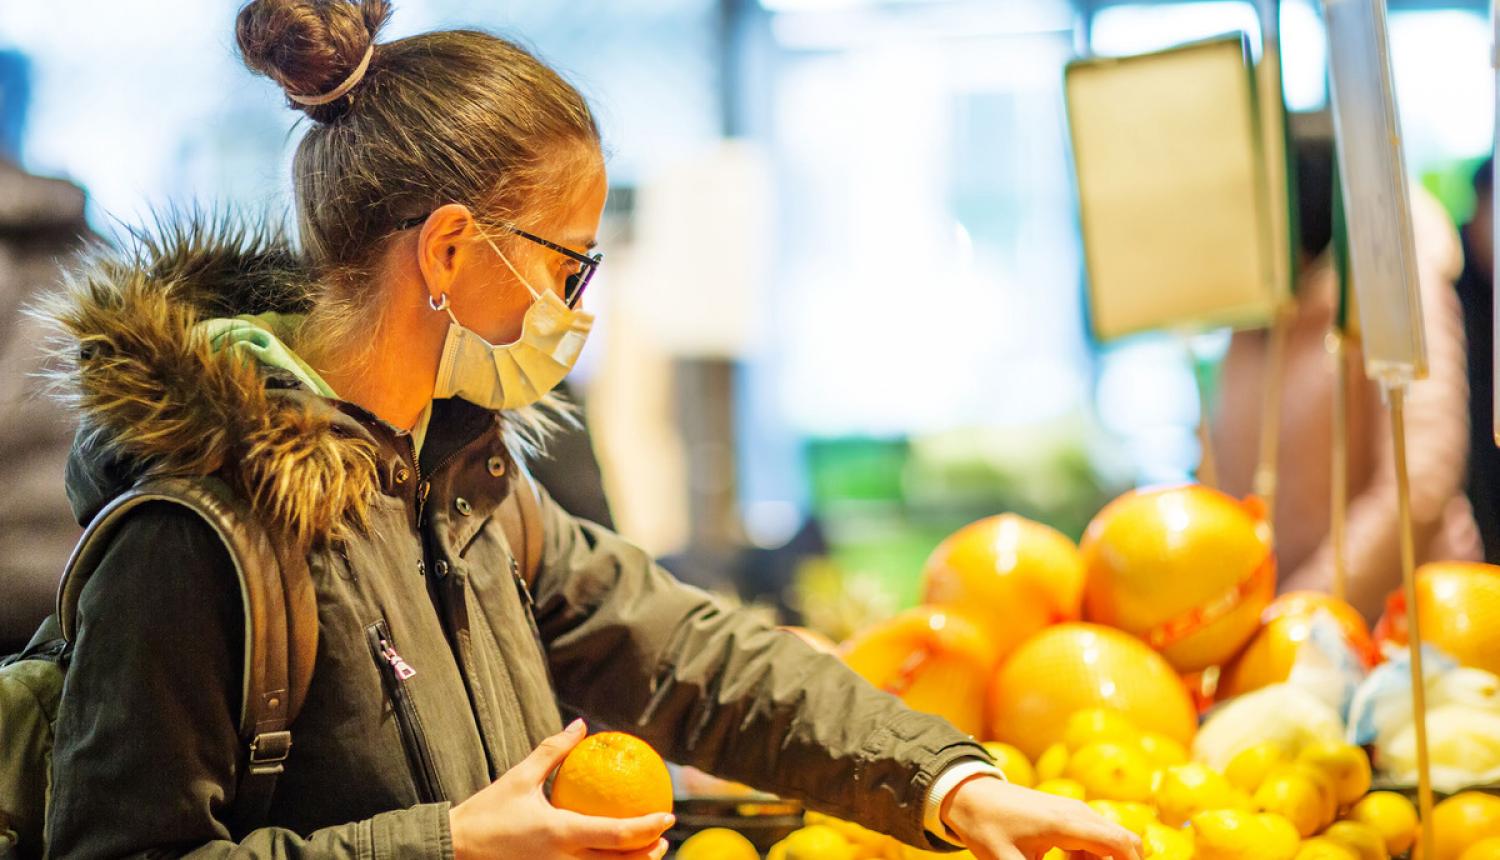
(146, 750)
(712, 687)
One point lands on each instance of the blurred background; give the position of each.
(869, 331)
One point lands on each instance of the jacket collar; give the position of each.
(153, 398)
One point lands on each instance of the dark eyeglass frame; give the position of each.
(575, 283)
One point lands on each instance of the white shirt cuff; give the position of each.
(949, 779)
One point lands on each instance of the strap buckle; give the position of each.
(268, 750)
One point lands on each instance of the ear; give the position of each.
(441, 247)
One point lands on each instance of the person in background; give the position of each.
(1475, 288)
(41, 224)
(1437, 415)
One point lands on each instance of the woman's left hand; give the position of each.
(1000, 821)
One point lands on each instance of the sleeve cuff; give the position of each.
(949, 779)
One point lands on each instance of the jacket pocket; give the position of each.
(395, 672)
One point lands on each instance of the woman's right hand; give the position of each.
(513, 818)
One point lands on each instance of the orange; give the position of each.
(1269, 657)
(1073, 667)
(936, 660)
(614, 775)
(1462, 820)
(1187, 569)
(1459, 607)
(1014, 575)
(1484, 849)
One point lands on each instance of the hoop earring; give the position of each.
(439, 305)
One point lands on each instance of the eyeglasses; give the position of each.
(575, 284)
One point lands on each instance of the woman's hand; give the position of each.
(513, 818)
(1000, 821)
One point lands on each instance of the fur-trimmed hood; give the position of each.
(154, 398)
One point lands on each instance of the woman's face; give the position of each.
(487, 295)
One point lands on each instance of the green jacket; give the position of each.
(407, 559)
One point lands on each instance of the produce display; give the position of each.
(1152, 672)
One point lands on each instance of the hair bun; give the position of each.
(309, 47)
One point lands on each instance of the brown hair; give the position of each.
(449, 116)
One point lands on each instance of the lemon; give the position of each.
(1111, 771)
(717, 843)
(1250, 766)
(1185, 790)
(1099, 725)
(816, 842)
(1012, 762)
(1346, 765)
(1393, 817)
(1326, 849)
(1295, 797)
(1363, 838)
(853, 833)
(1162, 750)
(1281, 839)
(1167, 843)
(1063, 788)
(1328, 801)
(1228, 834)
(1132, 816)
(1053, 762)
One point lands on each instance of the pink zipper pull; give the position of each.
(402, 668)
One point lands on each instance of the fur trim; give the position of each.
(150, 390)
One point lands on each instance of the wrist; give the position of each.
(953, 810)
(943, 790)
(456, 835)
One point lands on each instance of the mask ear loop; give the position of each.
(442, 305)
(535, 296)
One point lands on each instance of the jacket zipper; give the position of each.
(396, 672)
(424, 488)
(529, 605)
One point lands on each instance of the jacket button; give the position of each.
(496, 466)
(402, 474)
(463, 506)
(440, 567)
(421, 567)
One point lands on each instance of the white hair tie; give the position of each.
(342, 89)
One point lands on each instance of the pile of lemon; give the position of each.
(1266, 805)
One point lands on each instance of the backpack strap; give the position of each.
(521, 519)
(281, 620)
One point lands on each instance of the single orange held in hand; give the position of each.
(613, 775)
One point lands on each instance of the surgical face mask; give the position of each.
(516, 374)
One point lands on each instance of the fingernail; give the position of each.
(667, 821)
(575, 726)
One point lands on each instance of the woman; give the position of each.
(447, 200)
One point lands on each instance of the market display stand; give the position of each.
(1382, 265)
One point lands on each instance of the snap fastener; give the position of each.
(440, 568)
(402, 474)
(463, 506)
(496, 465)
